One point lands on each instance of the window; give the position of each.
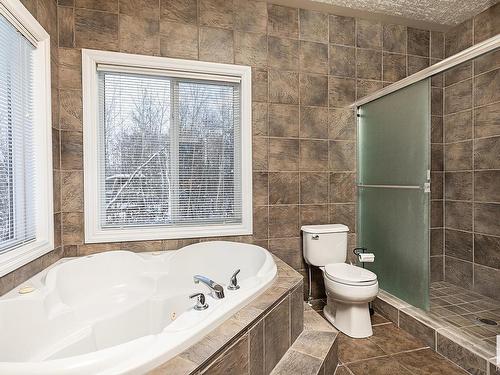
(26, 221)
(169, 148)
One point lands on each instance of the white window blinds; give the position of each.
(17, 177)
(170, 151)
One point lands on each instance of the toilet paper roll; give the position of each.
(366, 257)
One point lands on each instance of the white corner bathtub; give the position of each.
(120, 312)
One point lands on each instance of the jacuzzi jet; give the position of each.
(25, 289)
(487, 321)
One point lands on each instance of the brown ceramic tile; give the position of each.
(486, 218)
(487, 250)
(234, 360)
(486, 185)
(458, 185)
(185, 11)
(282, 21)
(458, 244)
(283, 87)
(458, 73)
(283, 221)
(344, 214)
(140, 8)
(342, 124)
(437, 241)
(313, 57)
(418, 42)
(437, 183)
(283, 154)
(94, 29)
(487, 121)
(341, 91)
(458, 156)
(259, 186)
(342, 61)
(72, 191)
(416, 64)
(276, 335)
(436, 101)
(139, 35)
(437, 79)
(436, 268)
(314, 187)
(342, 156)
(313, 214)
(256, 349)
(260, 222)
(283, 53)
(315, 343)
(178, 40)
(486, 88)
(70, 71)
(177, 365)
(394, 38)
(65, 26)
(260, 118)
(216, 45)
(484, 278)
(351, 350)
(369, 64)
(296, 313)
(313, 90)
(289, 250)
(486, 62)
(369, 34)
(216, 13)
(458, 215)
(487, 24)
(342, 187)
(259, 85)
(458, 126)
(313, 25)
(313, 155)
(367, 87)
(104, 5)
(342, 30)
(394, 340)
(72, 228)
(394, 67)
(437, 214)
(427, 362)
(458, 272)
(294, 361)
(260, 153)
(250, 49)
(283, 120)
(314, 122)
(283, 188)
(460, 355)
(458, 38)
(70, 113)
(486, 153)
(378, 366)
(437, 44)
(71, 150)
(250, 16)
(386, 310)
(436, 129)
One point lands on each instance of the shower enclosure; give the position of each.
(394, 189)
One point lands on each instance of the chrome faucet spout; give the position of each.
(216, 289)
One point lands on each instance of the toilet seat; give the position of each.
(350, 275)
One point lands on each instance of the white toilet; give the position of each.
(348, 288)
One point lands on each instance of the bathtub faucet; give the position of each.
(216, 289)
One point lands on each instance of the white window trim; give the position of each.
(94, 233)
(27, 25)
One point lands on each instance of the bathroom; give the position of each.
(289, 89)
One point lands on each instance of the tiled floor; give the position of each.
(390, 351)
(460, 309)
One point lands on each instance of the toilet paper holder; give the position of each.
(362, 250)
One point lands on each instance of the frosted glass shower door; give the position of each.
(393, 195)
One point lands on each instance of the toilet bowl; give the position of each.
(349, 288)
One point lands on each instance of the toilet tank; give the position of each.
(324, 244)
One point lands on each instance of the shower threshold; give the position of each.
(461, 325)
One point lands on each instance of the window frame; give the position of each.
(124, 62)
(28, 26)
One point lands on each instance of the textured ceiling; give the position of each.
(444, 12)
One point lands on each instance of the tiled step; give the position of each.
(314, 351)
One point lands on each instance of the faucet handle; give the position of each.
(233, 281)
(200, 301)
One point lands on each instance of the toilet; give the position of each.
(349, 288)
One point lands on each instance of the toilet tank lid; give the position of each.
(325, 228)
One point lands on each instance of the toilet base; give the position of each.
(351, 319)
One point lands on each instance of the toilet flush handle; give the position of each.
(315, 236)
